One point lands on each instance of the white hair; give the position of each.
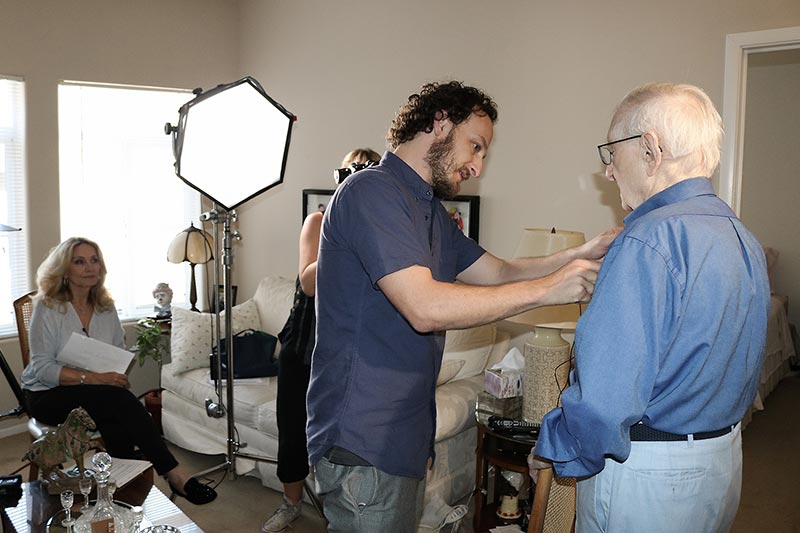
(683, 117)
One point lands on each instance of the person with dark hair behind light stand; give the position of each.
(297, 344)
(72, 298)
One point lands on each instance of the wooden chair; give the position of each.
(23, 309)
(554, 503)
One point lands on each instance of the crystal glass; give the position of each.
(85, 484)
(112, 488)
(67, 499)
(104, 515)
(137, 514)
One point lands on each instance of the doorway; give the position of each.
(759, 174)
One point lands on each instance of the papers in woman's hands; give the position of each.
(93, 355)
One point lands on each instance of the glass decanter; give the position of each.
(104, 516)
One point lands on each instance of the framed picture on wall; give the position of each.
(465, 211)
(315, 200)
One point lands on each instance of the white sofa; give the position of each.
(186, 386)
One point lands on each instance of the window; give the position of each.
(14, 280)
(118, 186)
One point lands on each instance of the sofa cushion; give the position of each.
(448, 371)
(472, 346)
(191, 335)
(254, 400)
(273, 298)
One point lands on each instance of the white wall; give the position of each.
(556, 69)
(770, 175)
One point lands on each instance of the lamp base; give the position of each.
(546, 372)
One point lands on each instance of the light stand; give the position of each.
(235, 150)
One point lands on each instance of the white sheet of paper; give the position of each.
(93, 355)
(124, 470)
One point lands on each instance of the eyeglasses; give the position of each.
(606, 155)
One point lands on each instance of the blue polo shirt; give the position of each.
(674, 335)
(373, 376)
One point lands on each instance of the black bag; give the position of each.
(252, 356)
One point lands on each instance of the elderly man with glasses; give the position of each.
(669, 351)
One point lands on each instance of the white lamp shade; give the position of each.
(538, 242)
(192, 245)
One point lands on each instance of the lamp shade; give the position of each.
(537, 242)
(192, 245)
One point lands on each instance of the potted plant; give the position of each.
(150, 343)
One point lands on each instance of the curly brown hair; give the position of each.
(456, 100)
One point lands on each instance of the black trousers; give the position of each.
(293, 377)
(121, 419)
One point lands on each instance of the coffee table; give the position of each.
(36, 507)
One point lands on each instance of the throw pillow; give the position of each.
(448, 371)
(191, 335)
(472, 346)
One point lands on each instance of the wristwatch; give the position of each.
(83, 379)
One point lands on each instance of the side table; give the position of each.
(505, 452)
(37, 506)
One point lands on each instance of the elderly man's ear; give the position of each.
(651, 152)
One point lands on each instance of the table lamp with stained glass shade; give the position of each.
(193, 246)
(546, 352)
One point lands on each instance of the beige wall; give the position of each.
(169, 43)
(770, 175)
(556, 70)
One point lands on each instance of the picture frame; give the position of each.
(221, 292)
(315, 200)
(465, 211)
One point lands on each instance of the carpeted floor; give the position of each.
(770, 493)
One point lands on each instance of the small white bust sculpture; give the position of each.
(163, 295)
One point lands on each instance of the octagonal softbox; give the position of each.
(232, 142)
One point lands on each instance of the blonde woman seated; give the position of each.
(71, 299)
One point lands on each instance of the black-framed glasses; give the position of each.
(606, 155)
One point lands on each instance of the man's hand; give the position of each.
(597, 247)
(574, 282)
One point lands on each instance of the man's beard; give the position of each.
(440, 160)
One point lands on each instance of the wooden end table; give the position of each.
(505, 452)
(36, 507)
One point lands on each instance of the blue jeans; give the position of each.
(689, 486)
(362, 499)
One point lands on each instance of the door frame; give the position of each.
(738, 47)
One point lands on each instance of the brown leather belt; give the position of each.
(642, 433)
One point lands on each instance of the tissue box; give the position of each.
(503, 384)
(488, 405)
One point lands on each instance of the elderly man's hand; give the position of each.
(536, 463)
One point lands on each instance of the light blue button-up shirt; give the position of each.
(674, 335)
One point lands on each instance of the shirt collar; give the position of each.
(683, 190)
(408, 176)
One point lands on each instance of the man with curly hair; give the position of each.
(386, 295)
